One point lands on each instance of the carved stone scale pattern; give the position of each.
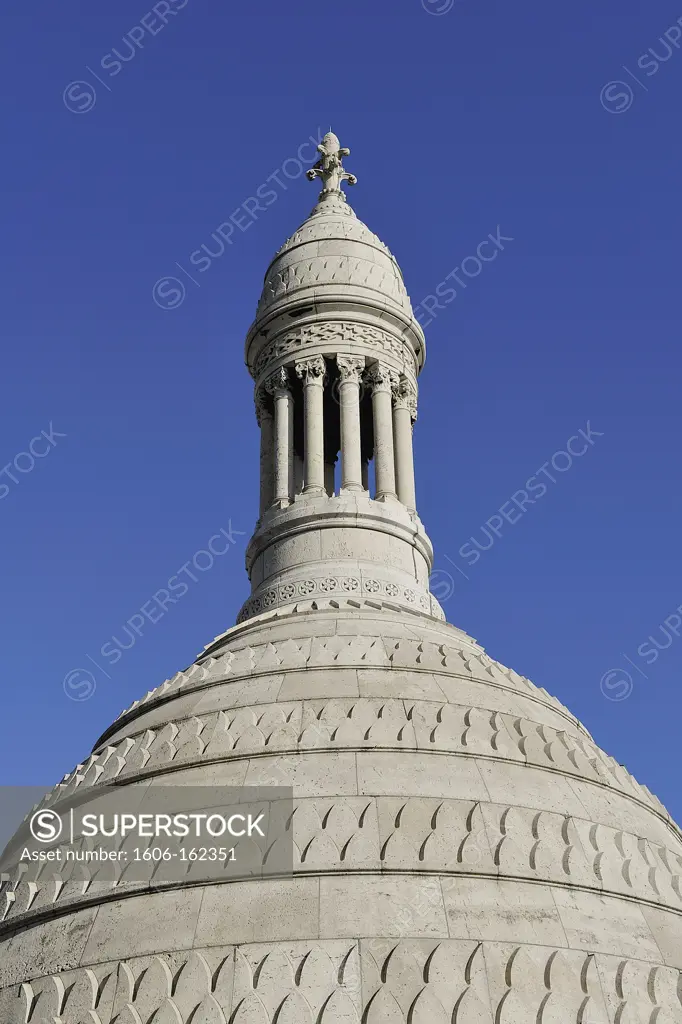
(308, 273)
(389, 834)
(525, 841)
(271, 701)
(371, 981)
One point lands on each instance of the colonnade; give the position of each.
(394, 408)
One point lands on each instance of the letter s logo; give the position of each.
(46, 826)
(617, 97)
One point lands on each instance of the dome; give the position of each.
(460, 850)
(463, 850)
(333, 253)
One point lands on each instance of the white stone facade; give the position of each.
(463, 851)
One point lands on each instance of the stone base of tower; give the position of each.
(340, 548)
(463, 850)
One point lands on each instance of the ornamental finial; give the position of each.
(329, 167)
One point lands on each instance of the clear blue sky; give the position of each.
(484, 117)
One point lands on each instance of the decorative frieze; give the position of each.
(337, 334)
(329, 586)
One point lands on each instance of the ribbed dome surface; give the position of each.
(332, 248)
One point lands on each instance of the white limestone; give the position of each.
(350, 371)
(463, 851)
(381, 381)
(312, 373)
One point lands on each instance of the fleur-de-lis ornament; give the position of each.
(330, 167)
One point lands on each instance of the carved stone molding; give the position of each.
(335, 585)
(334, 334)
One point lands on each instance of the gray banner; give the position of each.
(147, 833)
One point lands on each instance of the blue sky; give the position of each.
(489, 117)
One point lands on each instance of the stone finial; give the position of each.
(329, 167)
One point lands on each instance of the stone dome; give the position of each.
(333, 248)
(463, 851)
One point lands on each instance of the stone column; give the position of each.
(266, 423)
(404, 414)
(312, 373)
(298, 474)
(381, 381)
(350, 371)
(279, 387)
(329, 477)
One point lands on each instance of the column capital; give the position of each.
(311, 370)
(405, 396)
(350, 368)
(381, 378)
(261, 405)
(277, 381)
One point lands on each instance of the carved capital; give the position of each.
(350, 368)
(380, 378)
(311, 371)
(277, 381)
(263, 410)
(405, 396)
